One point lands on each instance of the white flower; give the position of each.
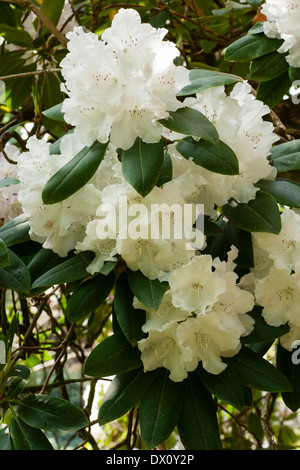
(288, 339)
(121, 85)
(279, 295)
(196, 286)
(162, 349)
(284, 248)
(283, 17)
(9, 204)
(209, 339)
(238, 120)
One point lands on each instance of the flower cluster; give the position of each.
(283, 23)
(9, 204)
(121, 85)
(275, 280)
(118, 88)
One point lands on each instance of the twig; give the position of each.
(265, 421)
(28, 74)
(42, 17)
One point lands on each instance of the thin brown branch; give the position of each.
(29, 74)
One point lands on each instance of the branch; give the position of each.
(42, 17)
(28, 74)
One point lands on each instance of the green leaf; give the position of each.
(51, 413)
(242, 240)
(4, 256)
(272, 91)
(142, 165)
(74, 175)
(55, 113)
(159, 410)
(88, 297)
(124, 393)
(114, 355)
(19, 371)
(258, 373)
(15, 276)
(250, 47)
(198, 426)
(43, 261)
(109, 266)
(189, 121)
(53, 10)
(288, 362)
(15, 231)
(5, 443)
(219, 159)
(15, 387)
(149, 291)
(26, 437)
(268, 67)
(258, 215)
(166, 172)
(8, 182)
(286, 192)
(20, 37)
(70, 270)
(286, 156)
(203, 79)
(263, 332)
(129, 318)
(7, 15)
(226, 386)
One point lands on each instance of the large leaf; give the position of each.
(114, 355)
(43, 261)
(288, 362)
(203, 79)
(189, 121)
(258, 215)
(15, 276)
(263, 332)
(226, 386)
(286, 192)
(88, 297)
(250, 47)
(142, 165)
(25, 437)
(219, 159)
(51, 413)
(198, 425)
(5, 443)
(268, 67)
(15, 231)
(74, 175)
(123, 394)
(4, 256)
(286, 156)
(70, 270)
(55, 113)
(16, 36)
(129, 318)
(149, 291)
(272, 91)
(160, 409)
(256, 372)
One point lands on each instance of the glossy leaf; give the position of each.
(74, 175)
(25, 437)
(55, 113)
(51, 413)
(166, 172)
(16, 36)
(198, 426)
(142, 165)
(286, 192)
(129, 318)
(250, 47)
(289, 363)
(70, 270)
(124, 393)
(88, 297)
(4, 256)
(15, 276)
(273, 91)
(5, 443)
(268, 67)
(263, 332)
(15, 231)
(159, 410)
(203, 79)
(114, 355)
(149, 291)
(258, 215)
(189, 121)
(286, 156)
(219, 159)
